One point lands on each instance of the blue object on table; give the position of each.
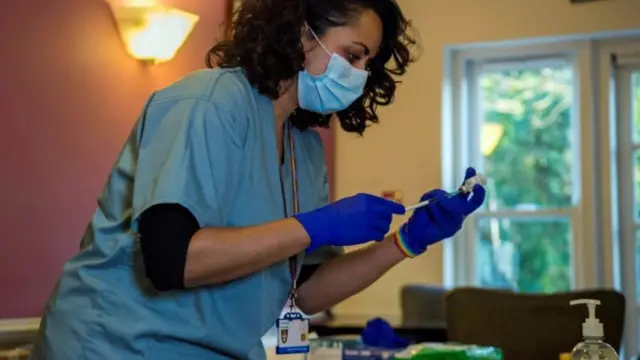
(379, 333)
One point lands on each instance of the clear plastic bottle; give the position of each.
(593, 347)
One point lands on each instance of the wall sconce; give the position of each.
(153, 33)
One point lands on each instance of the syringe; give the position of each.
(467, 187)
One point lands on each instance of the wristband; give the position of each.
(400, 239)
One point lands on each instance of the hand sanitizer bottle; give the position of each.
(593, 347)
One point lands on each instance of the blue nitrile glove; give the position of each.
(350, 221)
(379, 333)
(438, 221)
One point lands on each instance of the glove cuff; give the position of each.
(315, 229)
(401, 241)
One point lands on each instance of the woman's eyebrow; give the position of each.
(367, 51)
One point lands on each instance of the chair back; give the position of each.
(529, 326)
(423, 306)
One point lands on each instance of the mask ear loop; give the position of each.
(318, 40)
(325, 49)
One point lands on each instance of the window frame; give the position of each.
(458, 100)
(620, 257)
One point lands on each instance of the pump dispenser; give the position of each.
(593, 347)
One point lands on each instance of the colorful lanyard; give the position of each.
(293, 261)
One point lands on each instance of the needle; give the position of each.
(428, 201)
(467, 187)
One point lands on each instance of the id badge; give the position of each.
(293, 334)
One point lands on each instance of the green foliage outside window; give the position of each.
(530, 168)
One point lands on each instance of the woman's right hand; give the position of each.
(350, 221)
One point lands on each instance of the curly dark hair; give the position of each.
(266, 43)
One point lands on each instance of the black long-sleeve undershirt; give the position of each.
(165, 232)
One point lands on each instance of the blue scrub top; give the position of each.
(207, 142)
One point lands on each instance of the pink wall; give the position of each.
(68, 97)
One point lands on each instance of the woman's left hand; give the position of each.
(439, 220)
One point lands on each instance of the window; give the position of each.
(526, 121)
(634, 105)
(518, 119)
(626, 106)
(635, 113)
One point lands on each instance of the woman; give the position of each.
(220, 196)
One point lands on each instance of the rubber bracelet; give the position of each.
(401, 242)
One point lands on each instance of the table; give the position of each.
(354, 324)
(18, 332)
(17, 354)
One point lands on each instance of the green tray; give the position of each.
(437, 351)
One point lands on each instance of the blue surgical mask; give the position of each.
(336, 89)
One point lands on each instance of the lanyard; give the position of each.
(294, 172)
(293, 261)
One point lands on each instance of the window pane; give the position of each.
(638, 262)
(524, 255)
(635, 120)
(635, 102)
(636, 182)
(526, 140)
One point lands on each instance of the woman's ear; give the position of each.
(306, 38)
(305, 31)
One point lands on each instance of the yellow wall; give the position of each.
(403, 152)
